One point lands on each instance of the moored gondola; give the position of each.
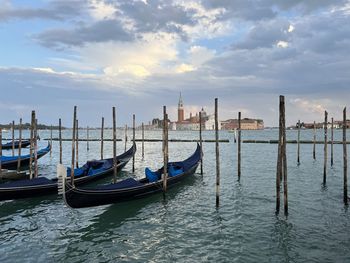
(130, 188)
(91, 171)
(8, 146)
(11, 162)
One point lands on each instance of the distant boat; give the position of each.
(130, 188)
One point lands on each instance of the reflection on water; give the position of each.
(185, 226)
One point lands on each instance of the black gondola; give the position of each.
(130, 188)
(8, 146)
(10, 162)
(91, 171)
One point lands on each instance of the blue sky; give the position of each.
(139, 55)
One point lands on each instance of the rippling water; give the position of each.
(186, 226)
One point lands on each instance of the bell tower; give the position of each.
(180, 110)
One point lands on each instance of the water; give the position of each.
(186, 226)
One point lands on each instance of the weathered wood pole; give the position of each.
(13, 138)
(217, 154)
(87, 138)
(73, 145)
(239, 147)
(165, 149)
(143, 143)
(77, 145)
(126, 137)
(235, 135)
(325, 148)
(298, 153)
(102, 128)
(314, 148)
(133, 139)
(51, 141)
(36, 148)
(31, 145)
(345, 157)
(114, 147)
(201, 140)
(19, 146)
(284, 159)
(332, 140)
(279, 171)
(60, 137)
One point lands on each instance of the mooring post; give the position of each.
(314, 148)
(332, 139)
(133, 139)
(60, 137)
(87, 138)
(345, 158)
(36, 148)
(143, 143)
(235, 135)
(31, 145)
(284, 159)
(77, 145)
(298, 153)
(51, 141)
(114, 147)
(325, 148)
(102, 128)
(201, 140)
(217, 154)
(73, 145)
(279, 170)
(125, 137)
(19, 146)
(13, 138)
(165, 149)
(239, 146)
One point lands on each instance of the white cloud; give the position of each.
(291, 28)
(282, 44)
(100, 10)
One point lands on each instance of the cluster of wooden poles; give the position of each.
(33, 148)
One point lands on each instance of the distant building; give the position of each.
(246, 124)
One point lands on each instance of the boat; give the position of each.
(130, 188)
(10, 162)
(12, 175)
(8, 146)
(89, 172)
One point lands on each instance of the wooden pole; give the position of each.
(60, 137)
(279, 171)
(77, 146)
(298, 154)
(31, 145)
(284, 159)
(239, 147)
(126, 137)
(73, 145)
(235, 135)
(201, 140)
(19, 146)
(36, 149)
(133, 139)
(143, 143)
(325, 148)
(13, 138)
(87, 138)
(165, 149)
(102, 128)
(51, 141)
(217, 154)
(114, 147)
(345, 158)
(314, 148)
(332, 140)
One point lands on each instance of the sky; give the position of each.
(138, 55)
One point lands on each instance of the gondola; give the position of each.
(91, 171)
(10, 162)
(8, 146)
(130, 188)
